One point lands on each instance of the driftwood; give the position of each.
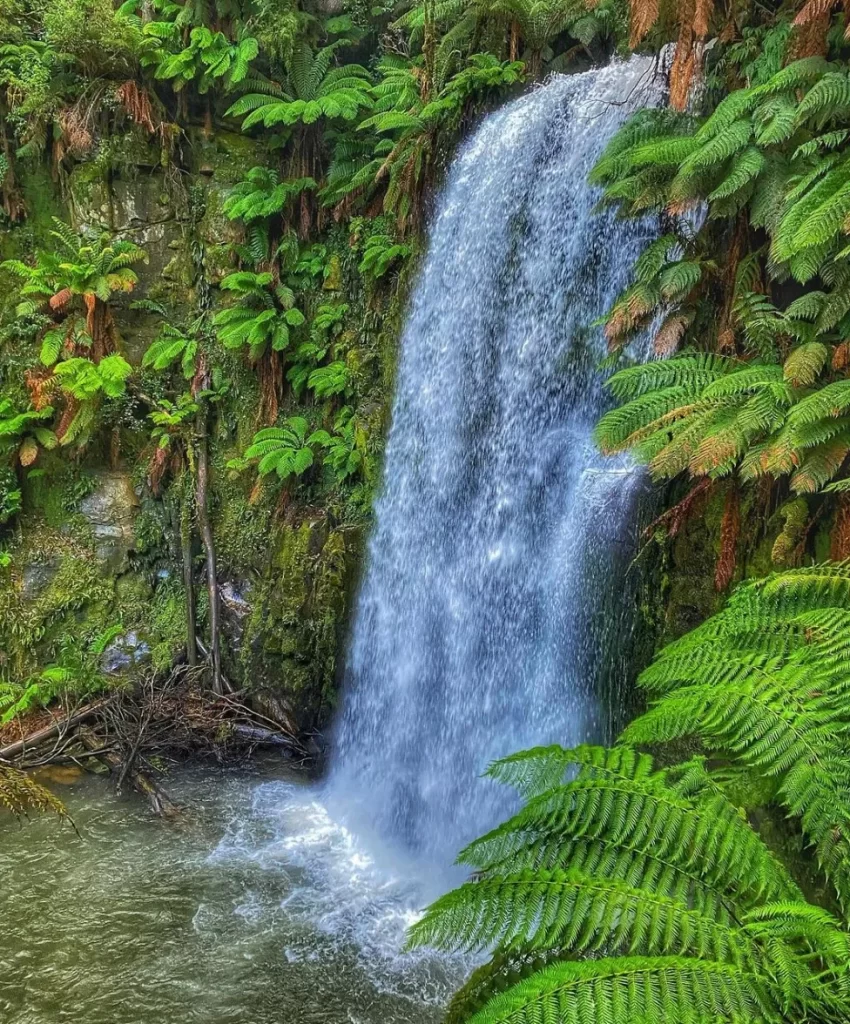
(55, 731)
(160, 801)
(265, 737)
(173, 716)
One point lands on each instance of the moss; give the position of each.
(53, 586)
(165, 628)
(691, 596)
(55, 493)
(333, 277)
(823, 542)
(292, 637)
(42, 199)
(227, 156)
(133, 594)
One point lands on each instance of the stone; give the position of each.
(111, 511)
(124, 652)
(235, 609)
(36, 578)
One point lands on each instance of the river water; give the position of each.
(259, 908)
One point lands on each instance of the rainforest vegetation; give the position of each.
(211, 217)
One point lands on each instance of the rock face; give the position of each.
(99, 548)
(111, 512)
(294, 636)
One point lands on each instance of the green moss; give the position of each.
(333, 277)
(165, 628)
(42, 200)
(53, 586)
(55, 494)
(292, 637)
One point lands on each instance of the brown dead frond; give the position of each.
(644, 14)
(137, 105)
(669, 335)
(839, 538)
(702, 16)
(76, 133)
(69, 413)
(684, 71)
(60, 300)
(100, 326)
(814, 10)
(730, 530)
(674, 518)
(42, 385)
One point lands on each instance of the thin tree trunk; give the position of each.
(188, 580)
(202, 502)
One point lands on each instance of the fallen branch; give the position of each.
(265, 737)
(58, 729)
(159, 800)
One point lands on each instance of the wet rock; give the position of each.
(36, 578)
(126, 651)
(111, 511)
(234, 597)
(235, 608)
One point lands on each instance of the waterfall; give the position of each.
(493, 568)
(491, 607)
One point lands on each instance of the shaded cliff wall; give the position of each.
(95, 546)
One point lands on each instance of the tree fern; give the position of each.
(763, 683)
(653, 875)
(723, 415)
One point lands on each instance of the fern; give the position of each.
(762, 683)
(285, 450)
(262, 194)
(651, 873)
(263, 317)
(708, 415)
(20, 794)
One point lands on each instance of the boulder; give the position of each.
(111, 511)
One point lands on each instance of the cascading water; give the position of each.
(493, 568)
(477, 630)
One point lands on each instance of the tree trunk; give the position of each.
(514, 51)
(208, 118)
(202, 502)
(188, 580)
(429, 50)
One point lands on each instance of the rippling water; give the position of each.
(259, 908)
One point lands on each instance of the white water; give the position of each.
(484, 623)
(480, 628)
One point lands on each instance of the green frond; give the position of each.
(781, 709)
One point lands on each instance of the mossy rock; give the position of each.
(297, 624)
